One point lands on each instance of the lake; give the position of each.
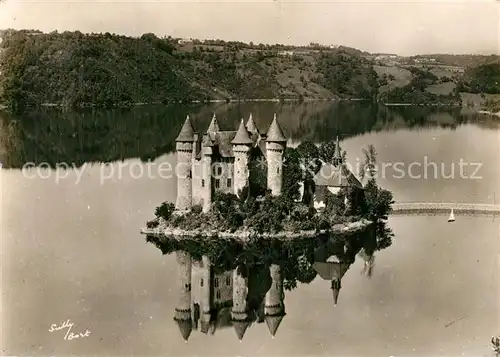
(71, 247)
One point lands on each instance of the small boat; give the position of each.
(452, 216)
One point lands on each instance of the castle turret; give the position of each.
(274, 308)
(275, 147)
(206, 178)
(241, 149)
(183, 309)
(214, 125)
(239, 315)
(251, 127)
(205, 294)
(184, 149)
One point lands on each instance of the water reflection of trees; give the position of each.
(85, 136)
(294, 256)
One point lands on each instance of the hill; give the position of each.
(75, 70)
(72, 69)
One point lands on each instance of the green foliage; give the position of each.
(378, 201)
(415, 92)
(327, 150)
(369, 167)
(72, 69)
(292, 175)
(257, 174)
(492, 105)
(347, 75)
(165, 210)
(153, 223)
(482, 79)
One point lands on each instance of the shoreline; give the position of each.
(212, 101)
(244, 235)
(487, 112)
(250, 100)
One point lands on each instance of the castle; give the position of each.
(209, 300)
(219, 160)
(212, 301)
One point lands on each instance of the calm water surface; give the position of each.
(73, 251)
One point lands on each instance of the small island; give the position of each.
(245, 185)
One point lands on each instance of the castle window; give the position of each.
(219, 170)
(216, 282)
(278, 170)
(201, 282)
(217, 183)
(229, 182)
(218, 294)
(238, 159)
(228, 280)
(202, 183)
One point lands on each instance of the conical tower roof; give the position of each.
(214, 125)
(336, 285)
(240, 327)
(251, 127)
(185, 326)
(275, 134)
(335, 296)
(242, 136)
(273, 323)
(187, 132)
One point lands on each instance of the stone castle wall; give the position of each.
(274, 153)
(184, 174)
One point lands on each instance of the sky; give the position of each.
(405, 28)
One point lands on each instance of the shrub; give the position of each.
(165, 210)
(196, 209)
(153, 223)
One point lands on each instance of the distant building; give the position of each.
(384, 57)
(286, 53)
(183, 41)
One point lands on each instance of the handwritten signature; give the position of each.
(69, 335)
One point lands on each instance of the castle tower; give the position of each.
(214, 125)
(241, 149)
(274, 308)
(184, 149)
(239, 316)
(275, 147)
(206, 173)
(205, 294)
(251, 127)
(183, 309)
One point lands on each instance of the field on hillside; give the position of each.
(402, 77)
(442, 88)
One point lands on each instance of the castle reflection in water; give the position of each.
(211, 298)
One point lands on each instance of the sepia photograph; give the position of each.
(268, 178)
